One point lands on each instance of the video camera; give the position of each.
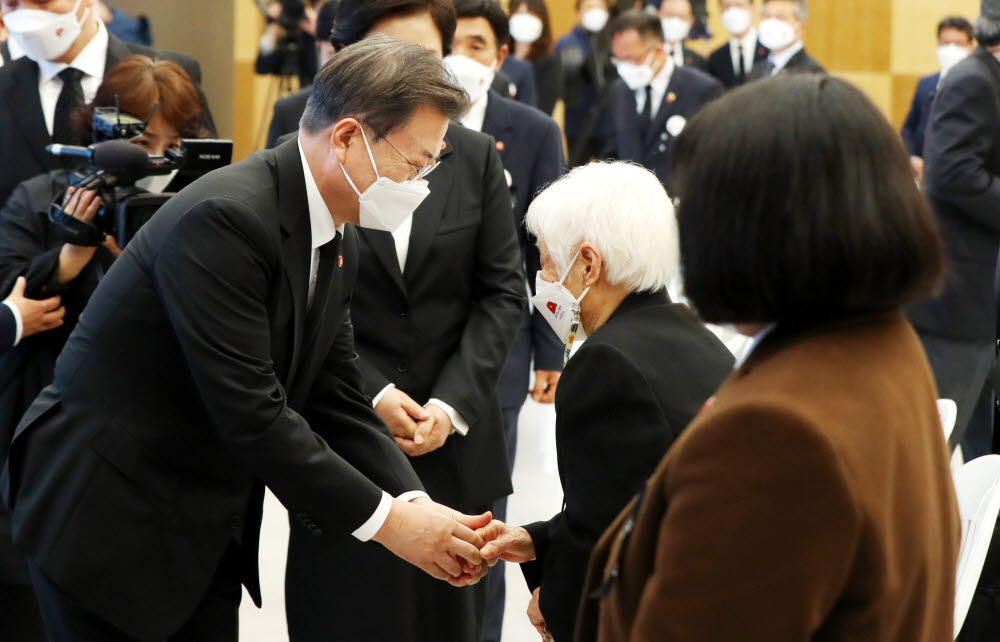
(114, 165)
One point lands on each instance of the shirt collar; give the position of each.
(780, 60)
(321, 222)
(749, 39)
(91, 60)
(661, 80)
(757, 338)
(14, 49)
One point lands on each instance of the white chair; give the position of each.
(977, 487)
(948, 410)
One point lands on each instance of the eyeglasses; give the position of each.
(418, 172)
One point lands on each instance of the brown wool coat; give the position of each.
(810, 500)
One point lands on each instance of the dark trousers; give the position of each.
(19, 617)
(496, 585)
(216, 619)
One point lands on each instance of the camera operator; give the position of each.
(31, 247)
(288, 44)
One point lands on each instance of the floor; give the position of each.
(537, 495)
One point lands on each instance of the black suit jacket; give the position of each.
(443, 327)
(693, 59)
(962, 179)
(8, 329)
(196, 375)
(800, 63)
(520, 74)
(5, 52)
(531, 149)
(623, 399)
(288, 112)
(23, 134)
(720, 64)
(688, 90)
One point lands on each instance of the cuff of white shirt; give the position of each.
(381, 394)
(458, 423)
(18, 323)
(367, 530)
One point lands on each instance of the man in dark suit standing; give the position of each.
(519, 76)
(530, 146)
(782, 27)
(65, 60)
(653, 99)
(733, 62)
(22, 317)
(217, 356)
(962, 180)
(955, 43)
(677, 19)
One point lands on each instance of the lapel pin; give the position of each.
(675, 125)
(671, 97)
(500, 146)
(340, 261)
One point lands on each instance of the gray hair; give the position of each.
(381, 81)
(988, 31)
(801, 9)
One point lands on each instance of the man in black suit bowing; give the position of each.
(67, 51)
(653, 99)
(217, 357)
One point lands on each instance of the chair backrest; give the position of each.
(977, 487)
(948, 410)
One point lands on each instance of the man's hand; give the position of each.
(36, 316)
(535, 616)
(505, 542)
(430, 434)
(81, 204)
(430, 537)
(401, 414)
(545, 386)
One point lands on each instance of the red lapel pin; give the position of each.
(340, 261)
(500, 146)
(671, 97)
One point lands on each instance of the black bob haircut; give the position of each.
(647, 24)
(958, 23)
(800, 208)
(355, 18)
(489, 10)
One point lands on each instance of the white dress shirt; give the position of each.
(780, 59)
(91, 61)
(476, 116)
(757, 338)
(675, 51)
(659, 83)
(323, 231)
(745, 46)
(18, 323)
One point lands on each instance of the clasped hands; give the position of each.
(418, 429)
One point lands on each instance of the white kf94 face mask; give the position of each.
(44, 35)
(526, 28)
(472, 75)
(386, 204)
(560, 308)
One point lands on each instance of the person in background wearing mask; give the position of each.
(782, 27)
(677, 18)
(288, 109)
(30, 246)
(438, 304)
(586, 76)
(67, 50)
(608, 241)
(531, 33)
(734, 62)
(955, 42)
(653, 98)
(531, 149)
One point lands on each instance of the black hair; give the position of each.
(803, 208)
(491, 11)
(325, 18)
(959, 24)
(355, 18)
(647, 24)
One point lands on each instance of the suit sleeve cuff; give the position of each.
(18, 323)
(381, 394)
(458, 423)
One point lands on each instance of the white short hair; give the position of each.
(623, 211)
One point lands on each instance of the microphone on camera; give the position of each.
(114, 155)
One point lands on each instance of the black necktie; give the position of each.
(329, 258)
(646, 117)
(743, 63)
(70, 98)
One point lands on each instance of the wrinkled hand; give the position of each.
(36, 316)
(430, 434)
(545, 386)
(434, 538)
(401, 414)
(535, 616)
(505, 542)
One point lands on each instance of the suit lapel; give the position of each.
(5, 52)
(497, 122)
(28, 111)
(627, 134)
(296, 247)
(427, 218)
(667, 109)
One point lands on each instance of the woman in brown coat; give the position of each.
(811, 498)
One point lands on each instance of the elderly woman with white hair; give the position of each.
(608, 242)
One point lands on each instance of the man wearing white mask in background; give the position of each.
(530, 146)
(653, 98)
(677, 18)
(66, 52)
(733, 62)
(782, 27)
(955, 39)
